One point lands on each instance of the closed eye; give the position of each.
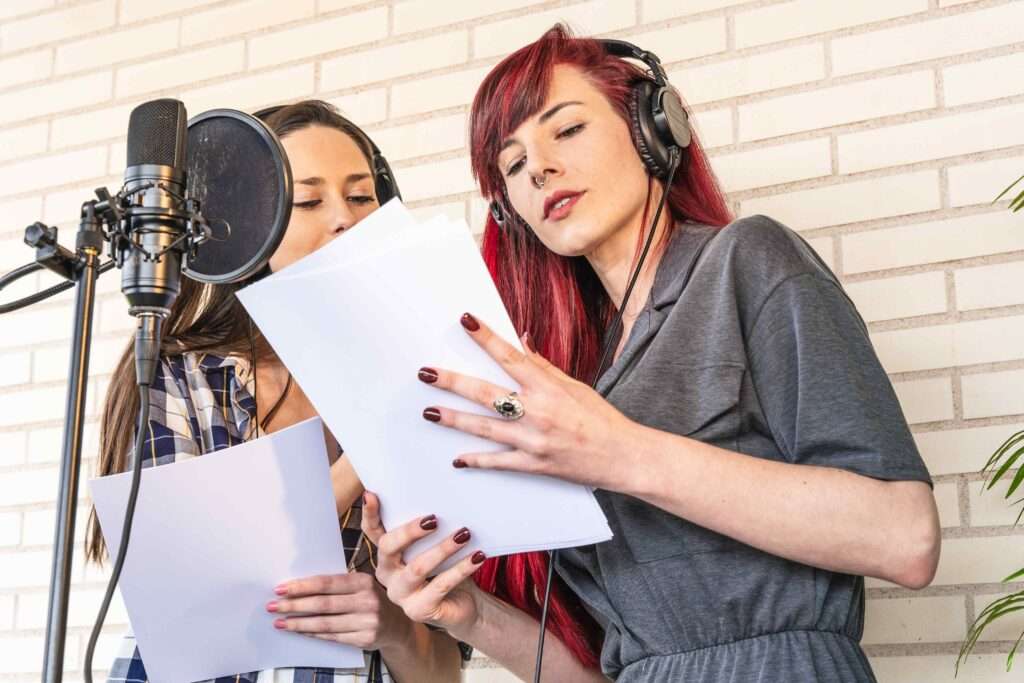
(514, 168)
(361, 200)
(572, 130)
(312, 203)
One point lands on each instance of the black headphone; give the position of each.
(384, 183)
(658, 123)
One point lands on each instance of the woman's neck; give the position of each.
(615, 260)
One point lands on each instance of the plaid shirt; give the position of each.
(201, 403)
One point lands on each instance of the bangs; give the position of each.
(517, 88)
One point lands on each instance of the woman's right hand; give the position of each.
(450, 599)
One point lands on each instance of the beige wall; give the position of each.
(880, 129)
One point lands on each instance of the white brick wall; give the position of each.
(881, 130)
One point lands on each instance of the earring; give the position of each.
(497, 214)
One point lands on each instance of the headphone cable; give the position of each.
(675, 156)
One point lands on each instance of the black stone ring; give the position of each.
(509, 406)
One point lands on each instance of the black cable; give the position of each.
(38, 296)
(140, 442)
(609, 342)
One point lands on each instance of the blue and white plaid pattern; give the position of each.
(201, 403)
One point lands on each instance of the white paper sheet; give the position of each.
(211, 538)
(354, 329)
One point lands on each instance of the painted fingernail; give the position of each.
(459, 463)
(281, 589)
(272, 606)
(469, 322)
(428, 375)
(279, 623)
(429, 522)
(478, 557)
(432, 415)
(461, 536)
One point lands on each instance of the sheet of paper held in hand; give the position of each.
(211, 538)
(354, 322)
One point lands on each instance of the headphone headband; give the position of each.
(658, 121)
(625, 50)
(384, 179)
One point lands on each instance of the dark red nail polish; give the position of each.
(478, 557)
(428, 375)
(428, 523)
(461, 536)
(432, 415)
(459, 463)
(469, 322)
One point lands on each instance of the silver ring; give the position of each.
(509, 406)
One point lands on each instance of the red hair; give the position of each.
(559, 300)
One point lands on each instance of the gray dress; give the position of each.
(748, 342)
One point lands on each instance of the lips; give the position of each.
(552, 206)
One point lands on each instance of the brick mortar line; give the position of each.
(496, 17)
(831, 79)
(967, 370)
(1015, 422)
(899, 221)
(887, 650)
(944, 590)
(939, 319)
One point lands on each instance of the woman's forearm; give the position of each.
(821, 516)
(424, 655)
(345, 483)
(509, 636)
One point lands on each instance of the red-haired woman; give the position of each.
(745, 443)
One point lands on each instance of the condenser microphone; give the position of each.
(154, 238)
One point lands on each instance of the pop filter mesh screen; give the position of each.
(239, 176)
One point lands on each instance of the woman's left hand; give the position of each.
(568, 430)
(346, 608)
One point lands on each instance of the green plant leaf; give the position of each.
(1008, 464)
(1017, 479)
(1007, 189)
(1010, 442)
(999, 608)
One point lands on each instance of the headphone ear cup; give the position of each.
(384, 184)
(653, 152)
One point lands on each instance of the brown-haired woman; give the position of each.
(219, 384)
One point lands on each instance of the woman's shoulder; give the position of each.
(764, 251)
(191, 370)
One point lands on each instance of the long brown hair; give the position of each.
(204, 318)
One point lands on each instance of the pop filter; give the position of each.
(238, 171)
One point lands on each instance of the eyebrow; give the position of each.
(543, 118)
(317, 180)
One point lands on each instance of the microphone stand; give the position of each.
(81, 268)
(88, 245)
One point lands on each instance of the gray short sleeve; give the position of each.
(823, 391)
